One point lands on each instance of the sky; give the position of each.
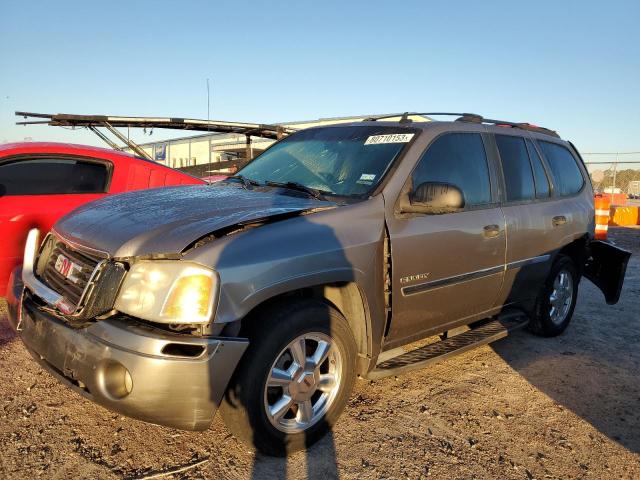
(573, 66)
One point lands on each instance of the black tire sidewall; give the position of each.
(542, 323)
(243, 406)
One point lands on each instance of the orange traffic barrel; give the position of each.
(602, 205)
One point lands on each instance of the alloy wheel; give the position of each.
(561, 297)
(303, 382)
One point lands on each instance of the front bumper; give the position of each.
(131, 368)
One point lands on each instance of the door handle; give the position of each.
(491, 231)
(559, 220)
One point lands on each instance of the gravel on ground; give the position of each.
(524, 407)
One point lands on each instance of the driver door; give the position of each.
(447, 268)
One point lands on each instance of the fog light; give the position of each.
(114, 380)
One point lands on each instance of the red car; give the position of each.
(40, 182)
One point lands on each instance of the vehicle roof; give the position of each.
(455, 125)
(61, 147)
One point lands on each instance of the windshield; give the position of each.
(344, 161)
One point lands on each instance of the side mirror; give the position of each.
(434, 198)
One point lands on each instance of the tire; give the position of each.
(551, 319)
(271, 332)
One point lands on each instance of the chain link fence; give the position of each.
(614, 172)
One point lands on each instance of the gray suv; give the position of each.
(267, 294)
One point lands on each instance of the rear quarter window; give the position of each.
(566, 174)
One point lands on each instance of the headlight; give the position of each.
(168, 291)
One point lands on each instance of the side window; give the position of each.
(50, 176)
(540, 176)
(458, 159)
(518, 176)
(567, 176)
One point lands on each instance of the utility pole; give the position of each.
(208, 124)
(615, 169)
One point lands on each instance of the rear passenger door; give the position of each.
(447, 267)
(529, 212)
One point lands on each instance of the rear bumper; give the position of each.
(606, 267)
(139, 371)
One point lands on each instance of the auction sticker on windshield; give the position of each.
(391, 138)
(366, 179)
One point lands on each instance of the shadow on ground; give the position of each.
(321, 463)
(592, 369)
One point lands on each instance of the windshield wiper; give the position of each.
(247, 182)
(314, 192)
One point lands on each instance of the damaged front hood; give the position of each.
(167, 220)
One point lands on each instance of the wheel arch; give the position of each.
(576, 251)
(345, 296)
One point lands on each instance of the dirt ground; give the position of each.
(524, 407)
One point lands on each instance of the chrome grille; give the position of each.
(70, 290)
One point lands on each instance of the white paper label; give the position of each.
(368, 177)
(391, 138)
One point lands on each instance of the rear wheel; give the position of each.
(295, 378)
(557, 299)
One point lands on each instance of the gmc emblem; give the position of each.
(67, 268)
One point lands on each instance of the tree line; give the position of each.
(623, 177)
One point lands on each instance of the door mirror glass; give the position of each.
(436, 197)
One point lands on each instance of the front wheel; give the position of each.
(557, 299)
(295, 378)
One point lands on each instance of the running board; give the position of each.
(421, 357)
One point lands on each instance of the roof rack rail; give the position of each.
(380, 117)
(471, 118)
(404, 117)
(521, 125)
